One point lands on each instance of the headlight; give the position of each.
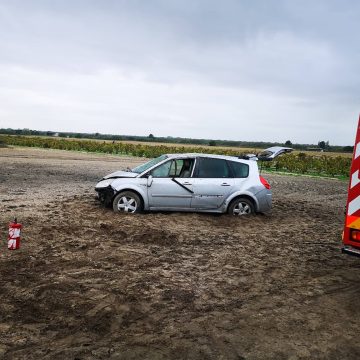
(104, 183)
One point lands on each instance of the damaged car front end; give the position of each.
(107, 188)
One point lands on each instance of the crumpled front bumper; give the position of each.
(105, 195)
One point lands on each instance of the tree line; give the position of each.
(322, 145)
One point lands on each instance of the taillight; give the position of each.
(355, 235)
(265, 183)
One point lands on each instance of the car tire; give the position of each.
(241, 207)
(127, 202)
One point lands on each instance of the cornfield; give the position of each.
(301, 163)
(310, 164)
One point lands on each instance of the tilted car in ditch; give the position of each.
(191, 182)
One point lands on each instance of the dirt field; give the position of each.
(90, 284)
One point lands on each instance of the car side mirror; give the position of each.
(149, 180)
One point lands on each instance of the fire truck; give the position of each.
(351, 234)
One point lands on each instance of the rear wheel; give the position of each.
(241, 206)
(127, 202)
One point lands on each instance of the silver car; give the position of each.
(191, 182)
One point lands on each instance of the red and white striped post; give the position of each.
(351, 235)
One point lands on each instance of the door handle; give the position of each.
(225, 184)
(187, 183)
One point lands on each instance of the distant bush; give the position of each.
(308, 164)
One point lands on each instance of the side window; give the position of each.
(240, 170)
(174, 168)
(185, 168)
(162, 170)
(213, 168)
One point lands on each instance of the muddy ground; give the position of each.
(90, 284)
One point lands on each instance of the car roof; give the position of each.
(190, 155)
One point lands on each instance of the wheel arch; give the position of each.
(244, 196)
(136, 191)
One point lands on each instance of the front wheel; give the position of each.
(127, 202)
(241, 206)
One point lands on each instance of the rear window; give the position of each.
(239, 169)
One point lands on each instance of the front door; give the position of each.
(172, 186)
(213, 183)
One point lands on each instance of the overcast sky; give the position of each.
(248, 70)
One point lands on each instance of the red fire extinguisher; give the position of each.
(14, 235)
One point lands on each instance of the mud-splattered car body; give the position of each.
(188, 182)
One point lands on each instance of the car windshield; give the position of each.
(141, 168)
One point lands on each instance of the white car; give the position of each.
(191, 182)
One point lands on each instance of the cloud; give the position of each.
(204, 69)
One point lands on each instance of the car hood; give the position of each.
(120, 174)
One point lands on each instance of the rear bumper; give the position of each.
(264, 198)
(350, 250)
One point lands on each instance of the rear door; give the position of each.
(212, 183)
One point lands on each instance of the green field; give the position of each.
(319, 164)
